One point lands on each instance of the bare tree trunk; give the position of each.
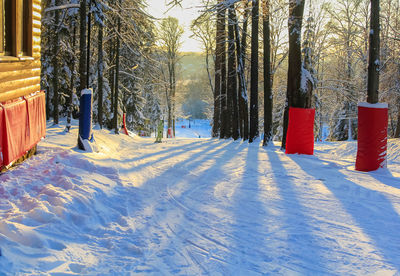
(243, 99)
(244, 32)
(173, 98)
(112, 73)
(170, 96)
(48, 104)
(267, 75)
(232, 75)
(397, 133)
(82, 47)
(254, 72)
(223, 131)
(217, 90)
(374, 54)
(116, 93)
(169, 105)
(72, 82)
(100, 65)
(208, 71)
(56, 93)
(296, 9)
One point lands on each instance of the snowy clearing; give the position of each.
(197, 207)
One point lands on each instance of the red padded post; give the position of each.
(300, 133)
(124, 124)
(372, 136)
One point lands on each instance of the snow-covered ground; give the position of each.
(197, 207)
(193, 129)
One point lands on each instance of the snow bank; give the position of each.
(197, 206)
(375, 105)
(198, 129)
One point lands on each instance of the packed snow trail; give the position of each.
(197, 207)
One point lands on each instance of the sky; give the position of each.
(189, 11)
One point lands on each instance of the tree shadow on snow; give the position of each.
(179, 219)
(299, 251)
(154, 158)
(371, 210)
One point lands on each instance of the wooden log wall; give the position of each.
(20, 75)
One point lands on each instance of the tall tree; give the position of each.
(100, 70)
(203, 28)
(254, 72)
(111, 72)
(82, 47)
(267, 75)
(223, 98)
(232, 76)
(345, 24)
(294, 97)
(374, 54)
(243, 99)
(55, 64)
(244, 30)
(170, 35)
(218, 76)
(116, 86)
(72, 80)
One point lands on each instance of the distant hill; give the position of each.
(191, 64)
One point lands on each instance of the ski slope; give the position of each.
(194, 129)
(197, 207)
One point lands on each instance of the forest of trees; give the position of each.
(315, 54)
(260, 57)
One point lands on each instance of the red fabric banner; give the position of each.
(16, 121)
(300, 133)
(23, 124)
(2, 136)
(37, 118)
(372, 138)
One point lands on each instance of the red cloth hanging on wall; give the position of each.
(372, 136)
(37, 118)
(2, 136)
(16, 122)
(22, 124)
(300, 133)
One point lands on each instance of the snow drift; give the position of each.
(197, 206)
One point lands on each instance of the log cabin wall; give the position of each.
(20, 57)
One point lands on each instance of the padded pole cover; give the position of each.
(300, 133)
(372, 136)
(85, 118)
(124, 124)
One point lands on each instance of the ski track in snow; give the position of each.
(197, 207)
